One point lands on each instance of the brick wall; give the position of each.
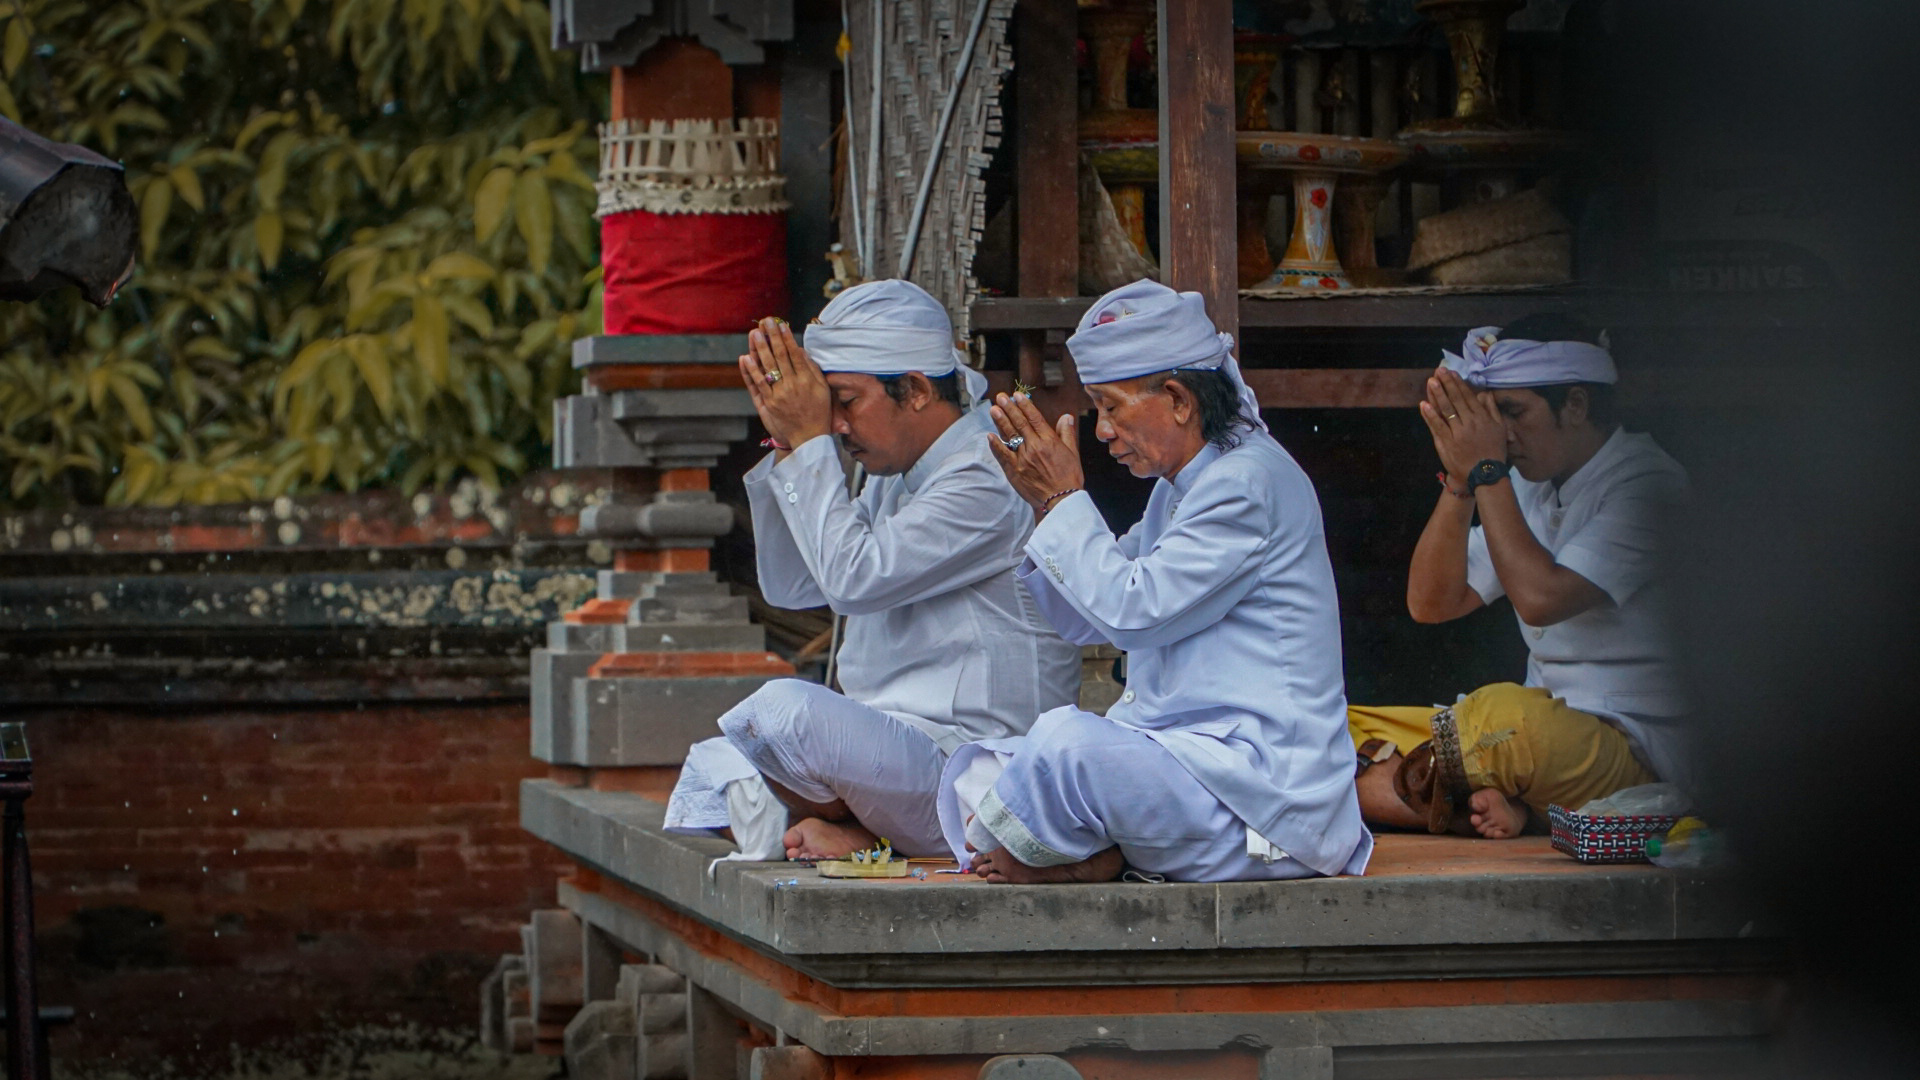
(372, 855)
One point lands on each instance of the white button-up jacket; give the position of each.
(1223, 598)
(938, 631)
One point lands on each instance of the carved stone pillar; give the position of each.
(634, 676)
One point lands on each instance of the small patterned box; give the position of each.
(1593, 839)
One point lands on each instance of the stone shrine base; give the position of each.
(1451, 958)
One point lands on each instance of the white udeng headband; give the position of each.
(1144, 328)
(872, 349)
(889, 327)
(877, 349)
(1489, 361)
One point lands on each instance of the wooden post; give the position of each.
(1047, 193)
(677, 79)
(1197, 185)
(1048, 196)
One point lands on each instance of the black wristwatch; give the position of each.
(1487, 472)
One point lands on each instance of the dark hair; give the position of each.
(1547, 326)
(1219, 401)
(945, 387)
(1600, 401)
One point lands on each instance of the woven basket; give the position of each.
(1542, 260)
(1595, 839)
(691, 167)
(1108, 258)
(1483, 226)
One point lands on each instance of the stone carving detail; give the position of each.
(613, 33)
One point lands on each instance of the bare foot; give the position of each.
(816, 839)
(1000, 868)
(1495, 816)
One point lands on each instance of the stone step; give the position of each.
(639, 721)
(691, 607)
(555, 674)
(626, 584)
(735, 636)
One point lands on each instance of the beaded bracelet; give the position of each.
(1442, 477)
(1051, 499)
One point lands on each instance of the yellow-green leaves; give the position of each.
(17, 41)
(123, 379)
(186, 183)
(269, 231)
(367, 244)
(156, 202)
(458, 266)
(259, 123)
(370, 357)
(271, 180)
(533, 214)
(431, 333)
(490, 202)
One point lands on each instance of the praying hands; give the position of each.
(787, 387)
(1042, 463)
(1466, 425)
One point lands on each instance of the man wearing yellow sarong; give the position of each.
(1573, 541)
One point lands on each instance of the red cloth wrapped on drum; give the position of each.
(693, 225)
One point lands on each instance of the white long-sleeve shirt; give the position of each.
(1223, 598)
(938, 631)
(1616, 660)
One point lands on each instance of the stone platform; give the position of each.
(1450, 958)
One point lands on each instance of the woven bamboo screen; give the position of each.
(920, 45)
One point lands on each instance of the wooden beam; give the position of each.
(1338, 388)
(1696, 389)
(1197, 185)
(1460, 312)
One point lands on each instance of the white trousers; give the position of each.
(1078, 784)
(821, 746)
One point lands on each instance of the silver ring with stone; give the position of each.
(1016, 442)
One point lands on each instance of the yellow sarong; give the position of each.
(1519, 740)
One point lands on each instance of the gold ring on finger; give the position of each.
(1450, 416)
(772, 377)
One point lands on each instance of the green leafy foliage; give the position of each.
(366, 247)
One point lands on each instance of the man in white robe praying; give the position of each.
(1571, 510)
(1226, 758)
(942, 645)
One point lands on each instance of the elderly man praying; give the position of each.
(1226, 758)
(1570, 509)
(942, 645)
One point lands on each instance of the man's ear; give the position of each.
(1575, 411)
(919, 391)
(1185, 405)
